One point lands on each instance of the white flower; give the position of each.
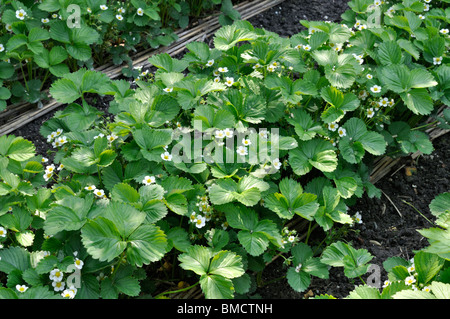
(377, 3)
(62, 140)
(121, 10)
(242, 150)
(333, 126)
(444, 31)
(50, 168)
(21, 288)
(99, 136)
(45, 20)
(200, 221)
(68, 293)
(60, 167)
(437, 60)
(342, 132)
(78, 263)
(90, 188)
(307, 47)
(276, 163)
(56, 275)
(246, 142)
(219, 134)
(426, 7)
(229, 81)
(291, 239)
(369, 76)
(8, 27)
(21, 14)
(376, 89)
(370, 113)
(411, 269)
(48, 176)
(384, 102)
(58, 285)
(166, 156)
(421, 17)
(298, 46)
(119, 17)
(149, 180)
(410, 280)
(54, 15)
(426, 289)
(386, 283)
(297, 269)
(44, 160)
(223, 70)
(140, 12)
(89, 10)
(216, 79)
(59, 131)
(103, 7)
(2, 232)
(263, 134)
(111, 138)
(168, 90)
(228, 133)
(362, 27)
(357, 218)
(99, 193)
(210, 63)
(271, 68)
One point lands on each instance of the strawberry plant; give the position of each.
(42, 41)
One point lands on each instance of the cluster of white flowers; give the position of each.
(272, 67)
(385, 102)
(411, 279)
(359, 58)
(205, 212)
(288, 236)
(51, 169)
(100, 193)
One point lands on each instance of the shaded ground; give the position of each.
(389, 228)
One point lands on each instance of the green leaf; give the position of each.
(197, 259)
(17, 148)
(216, 287)
(354, 261)
(292, 201)
(230, 35)
(440, 204)
(427, 266)
(316, 153)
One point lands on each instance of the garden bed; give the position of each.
(389, 224)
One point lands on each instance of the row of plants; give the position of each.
(195, 176)
(40, 41)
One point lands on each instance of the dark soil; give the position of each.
(388, 229)
(385, 232)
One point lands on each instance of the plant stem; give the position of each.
(175, 291)
(418, 211)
